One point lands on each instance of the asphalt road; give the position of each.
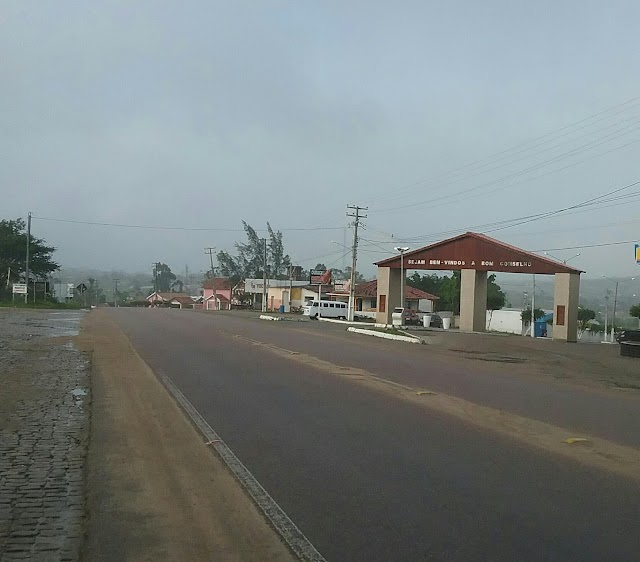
(368, 477)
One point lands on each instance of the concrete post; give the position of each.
(473, 300)
(388, 293)
(565, 307)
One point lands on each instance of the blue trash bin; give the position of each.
(281, 309)
(541, 328)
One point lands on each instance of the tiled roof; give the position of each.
(220, 297)
(182, 299)
(167, 296)
(369, 289)
(222, 283)
(418, 294)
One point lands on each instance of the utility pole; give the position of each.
(26, 296)
(606, 316)
(264, 276)
(613, 320)
(115, 293)
(402, 250)
(290, 285)
(533, 308)
(354, 254)
(213, 277)
(155, 277)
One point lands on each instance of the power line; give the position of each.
(185, 228)
(558, 211)
(491, 159)
(443, 199)
(509, 223)
(588, 246)
(510, 161)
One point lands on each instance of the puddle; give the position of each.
(78, 396)
(63, 324)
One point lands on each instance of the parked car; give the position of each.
(436, 320)
(409, 317)
(628, 335)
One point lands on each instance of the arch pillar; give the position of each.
(473, 300)
(388, 293)
(565, 306)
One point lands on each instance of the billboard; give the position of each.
(295, 272)
(638, 254)
(319, 277)
(19, 288)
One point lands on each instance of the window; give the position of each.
(325, 305)
(560, 310)
(331, 305)
(383, 303)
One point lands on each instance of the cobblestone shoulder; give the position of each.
(44, 430)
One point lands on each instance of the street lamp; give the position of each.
(402, 250)
(558, 259)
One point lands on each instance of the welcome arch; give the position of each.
(476, 255)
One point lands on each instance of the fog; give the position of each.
(197, 115)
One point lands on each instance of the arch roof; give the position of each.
(477, 251)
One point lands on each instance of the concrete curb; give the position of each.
(280, 318)
(336, 321)
(408, 339)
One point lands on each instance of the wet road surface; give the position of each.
(367, 477)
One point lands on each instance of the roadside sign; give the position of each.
(19, 288)
(81, 288)
(638, 254)
(319, 277)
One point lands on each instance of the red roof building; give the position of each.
(223, 289)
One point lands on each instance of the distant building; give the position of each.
(220, 298)
(161, 298)
(366, 295)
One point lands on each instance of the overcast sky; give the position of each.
(199, 114)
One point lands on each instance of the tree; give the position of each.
(279, 261)
(526, 314)
(430, 283)
(450, 293)
(635, 311)
(249, 259)
(585, 315)
(496, 298)
(346, 274)
(448, 289)
(164, 278)
(13, 247)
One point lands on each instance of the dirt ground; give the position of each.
(586, 364)
(592, 365)
(155, 491)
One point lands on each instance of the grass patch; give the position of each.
(49, 305)
(392, 331)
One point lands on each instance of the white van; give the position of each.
(326, 309)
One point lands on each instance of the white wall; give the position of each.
(425, 305)
(505, 320)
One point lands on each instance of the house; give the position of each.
(278, 292)
(158, 298)
(366, 295)
(182, 302)
(217, 293)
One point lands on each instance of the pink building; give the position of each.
(223, 289)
